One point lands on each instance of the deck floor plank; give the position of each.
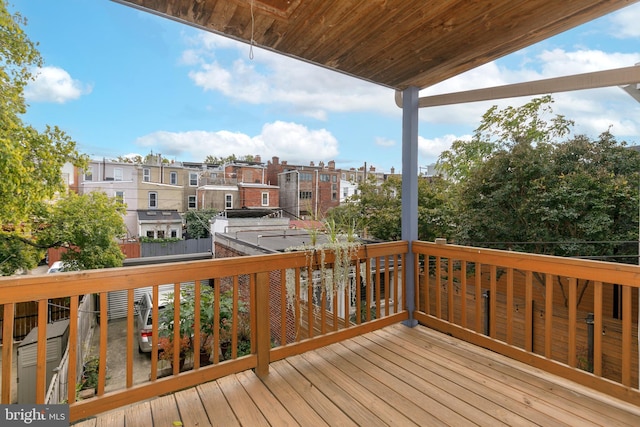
(393, 376)
(246, 411)
(192, 412)
(495, 390)
(285, 393)
(272, 409)
(321, 403)
(362, 413)
(558, 394)
(164, 410)
(409, 405)
(216, 405)
(138, 415)
(450, 397)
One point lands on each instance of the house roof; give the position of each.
(395, 43)
(159, 215)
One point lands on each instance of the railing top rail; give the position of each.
(29, 288)
(607, 272)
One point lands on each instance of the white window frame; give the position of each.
(88, 174)
(146, 175)
(117, 174)
(173, 178)
(228, 201)
(191, 202)
(265, 198)
(153, 205)
(119, 195)
(193, 175)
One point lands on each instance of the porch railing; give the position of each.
(575, 318)
(277, 326)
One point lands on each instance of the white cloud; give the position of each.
(275, 79)
(290, 141)
(53, 84)
(625, 22)
(429, 149)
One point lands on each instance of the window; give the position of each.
(120, 197)
(228, 201)
(88, 174)
(304, 176)
(324, 177)
(151, 234)
(117, 174)
(153, 199)
(305, 194)
(193, 179)
(160, 234)
(146, 175)
(265, 199)
(344, 176)
(173, 178)
(174, 233)
(334, 178)
(192, 202)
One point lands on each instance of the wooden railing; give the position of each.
(575, 318)
(278, 326)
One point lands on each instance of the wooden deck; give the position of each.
(395, 376)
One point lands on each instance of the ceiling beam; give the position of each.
(598, 79)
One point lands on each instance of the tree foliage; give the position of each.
(87, 226)
(537, 194)
(214, 160)
(198, 223)
(31, 164)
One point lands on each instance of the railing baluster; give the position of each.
(176, 328)
(73, 349)
(548, 313)
(387, 284)
(216, 319)
(450, 294)
(102, 365)
(597, 329)
(197, 327)
(626, 335)
(261, 325)
(234, 322)
(509, 306)
(378, 290)
(368, 289)
(437, 288)
(41, 367)
(283, 307)
(493, 302)
(478, 279)
(154, 333)
(7, 350)
(573, 300)
(528, 311)
(358, 279)
(298, 315)
(254, 312)
(463, 293)
(396, 283)
(129, 358)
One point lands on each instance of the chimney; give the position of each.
(311, 163)
(393, 170)
(257, 158)
(332, 165)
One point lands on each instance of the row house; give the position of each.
(305, 191)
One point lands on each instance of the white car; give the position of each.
(56, 267)
(144, 318)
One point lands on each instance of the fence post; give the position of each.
(263, 329)
(487, 311)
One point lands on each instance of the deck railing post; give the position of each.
(263, 330)
(590, 322)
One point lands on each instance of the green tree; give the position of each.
(198, 223)
(30, 161)
(502, 129)
(88, 226)
(556, 198)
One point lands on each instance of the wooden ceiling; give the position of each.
(395, 43)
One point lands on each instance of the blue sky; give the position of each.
(120, 81)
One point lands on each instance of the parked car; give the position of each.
(56, 267)
(144, 318)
